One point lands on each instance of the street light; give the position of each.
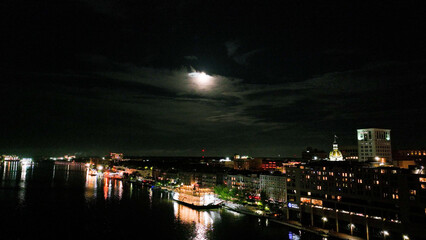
(405, 237)
(352, 226)
(324, 219)
(385, 234)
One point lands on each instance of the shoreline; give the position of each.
(318, 231)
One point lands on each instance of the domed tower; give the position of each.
(335, 155)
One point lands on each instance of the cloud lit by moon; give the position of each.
(201, 80)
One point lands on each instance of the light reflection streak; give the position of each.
(112, 186)
(91, 186)
(22, 185)
(203, 220)
(150, 197)
(106, 188)
(4, 172)
(68, 173)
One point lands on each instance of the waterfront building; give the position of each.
(357, 199)
(374, 144)
(116, 157)
(274, 185)
(10, 157)
(249, 182)
(204, 179)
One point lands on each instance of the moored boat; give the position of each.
(197, 198)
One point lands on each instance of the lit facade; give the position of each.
(248, 182)
(335, 154)
(374, 144)
(274, 185)
(358, 200)
(116, 156)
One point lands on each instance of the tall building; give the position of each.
(374, 144)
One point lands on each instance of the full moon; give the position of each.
(201, 79)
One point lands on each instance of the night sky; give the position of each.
(93, 77)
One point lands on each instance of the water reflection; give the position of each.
(76, 204)
(14, 176)
(202, 220)
(91, 186)
(22, 184)
(10, 171)
(111, 188)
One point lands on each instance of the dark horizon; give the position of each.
(83, 76)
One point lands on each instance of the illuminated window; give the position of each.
(413, 192)
(318, 187)
(422, 179)
(317, 202)
(309, 193)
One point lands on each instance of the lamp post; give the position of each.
(385, 234)
(324, 219)
(352, 226)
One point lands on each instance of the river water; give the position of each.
(61, 201)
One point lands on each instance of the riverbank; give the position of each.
(294, 224)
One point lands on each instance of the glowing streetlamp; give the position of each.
(385, 234)
(324, 219)
(405, 237)
(352, 226)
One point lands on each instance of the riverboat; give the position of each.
(113, 175)
(195, 197)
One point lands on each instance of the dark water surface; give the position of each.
(61, 201)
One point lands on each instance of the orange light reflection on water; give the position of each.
(203, 220)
